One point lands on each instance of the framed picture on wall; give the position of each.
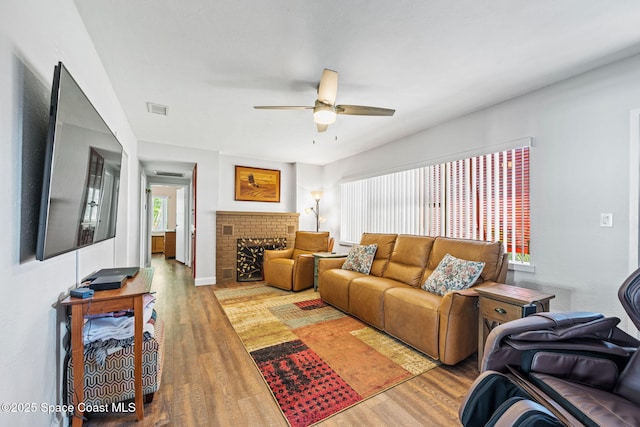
(257, 185)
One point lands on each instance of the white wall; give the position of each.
(579, 169)
(34, 36)
(227, 202)
(311, 178)
(297, 181)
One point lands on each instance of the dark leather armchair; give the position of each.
(580, 366)
(292, 268)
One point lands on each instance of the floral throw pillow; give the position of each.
(360, 258)
(453, 274)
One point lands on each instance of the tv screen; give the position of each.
(81, 173)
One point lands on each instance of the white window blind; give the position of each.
(391, 203)
(484, 197)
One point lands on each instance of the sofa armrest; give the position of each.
(277, 253)
(325, 264)
(468, 292)
(302, 272)
(458, 334)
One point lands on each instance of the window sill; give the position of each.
(517, 266)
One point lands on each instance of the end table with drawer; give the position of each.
(501, 303)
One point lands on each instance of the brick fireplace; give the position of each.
(232, 226)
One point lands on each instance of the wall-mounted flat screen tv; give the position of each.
(81, 173)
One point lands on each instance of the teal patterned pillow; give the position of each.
(360, 258)
(453, 274)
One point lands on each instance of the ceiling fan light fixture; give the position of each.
(324, 114)
(325, 109)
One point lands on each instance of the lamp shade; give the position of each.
(317, 195)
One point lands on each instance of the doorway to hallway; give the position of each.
(169, 221)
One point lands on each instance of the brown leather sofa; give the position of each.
(390, 297)
(292, 268)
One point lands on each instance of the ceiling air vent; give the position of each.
(157, 108)
(169, 174)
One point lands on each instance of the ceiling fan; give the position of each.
(325, 110)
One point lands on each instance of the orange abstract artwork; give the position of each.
(257, 185)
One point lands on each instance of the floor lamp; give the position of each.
(317, 195)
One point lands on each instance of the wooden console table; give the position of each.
(129, 296)
(501, 303)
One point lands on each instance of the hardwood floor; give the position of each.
(209, 379)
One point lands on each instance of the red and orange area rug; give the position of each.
(315, 359)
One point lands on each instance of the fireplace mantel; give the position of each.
(254, 214)
(234, 225)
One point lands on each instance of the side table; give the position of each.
(317, 256)
(129, 296)
(502, 303)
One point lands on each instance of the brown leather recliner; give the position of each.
(292, 268)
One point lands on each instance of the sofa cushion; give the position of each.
(453, 274)
(412, 315)
(385, 244)
(409, 258)
(360, 258)
(473, 250)
(366, 298)
(334, 286)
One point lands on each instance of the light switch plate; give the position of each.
(606, 220)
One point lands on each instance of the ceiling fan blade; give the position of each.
(328, 87)
(322, 128)
(281, 107)
(361, 110)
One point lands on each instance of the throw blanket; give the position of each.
(111, 332)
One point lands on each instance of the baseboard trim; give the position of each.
(204, 281)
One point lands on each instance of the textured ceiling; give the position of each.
(211, 61)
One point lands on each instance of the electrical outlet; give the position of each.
(606, 220)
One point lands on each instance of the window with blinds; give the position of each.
(484, 198)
